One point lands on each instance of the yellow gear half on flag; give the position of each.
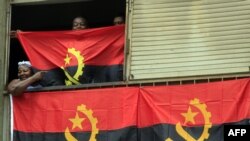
(207, 125)
(89, 114)
(80, 65)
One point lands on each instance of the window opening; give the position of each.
(55, 17)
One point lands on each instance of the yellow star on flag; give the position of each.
(189, 116)
(77, 121)
(67, 59)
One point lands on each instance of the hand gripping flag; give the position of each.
(75, 57)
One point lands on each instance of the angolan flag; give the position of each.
(157, 113)
(84, 115)
(77, 56)
(196, 112)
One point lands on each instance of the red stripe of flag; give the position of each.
(98, 46)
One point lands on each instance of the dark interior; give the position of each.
(48, 17)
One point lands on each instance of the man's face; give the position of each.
(118, 21)
(79, 24)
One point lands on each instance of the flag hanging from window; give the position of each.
(77, 56)
(84, 115)
(159, 113)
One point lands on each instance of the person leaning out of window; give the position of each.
(26, 79)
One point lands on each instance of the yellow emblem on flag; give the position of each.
(189, 117)
(80, 59)
(77, 123)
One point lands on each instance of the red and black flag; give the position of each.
(192, 112)
(159, 113)
(83, 115)
(77, 56)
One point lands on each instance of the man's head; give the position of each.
(24, 70)
(79, 23)
(118, 20)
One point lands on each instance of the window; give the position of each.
(58, 16)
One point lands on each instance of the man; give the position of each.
(79, 23)
(118, 20)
